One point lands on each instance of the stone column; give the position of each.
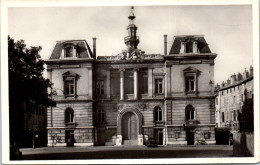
(49, 76)
(108, 84)
(122, 84)
(195, 47)
(182, 47)
(150, 82)
(90, 87)
(168, 81)
(135, 83)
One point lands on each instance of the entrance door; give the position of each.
(190, 137)
(101, 137)
(158, 136)
(129, 126)
(69, 135)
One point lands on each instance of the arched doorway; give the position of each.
(129, 126)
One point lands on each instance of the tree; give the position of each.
(246, 118)
(26, 83)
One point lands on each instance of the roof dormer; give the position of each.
(189, 44)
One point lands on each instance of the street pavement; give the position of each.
(126, 152)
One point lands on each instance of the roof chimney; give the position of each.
(94, 48)
(251, 71)
(165, 44)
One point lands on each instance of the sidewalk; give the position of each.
(28, 151)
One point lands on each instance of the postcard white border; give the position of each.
(5, 4)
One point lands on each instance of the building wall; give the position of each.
(204, 77)
(230, 98)
(82, 127)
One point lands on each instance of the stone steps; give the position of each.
(130, 142)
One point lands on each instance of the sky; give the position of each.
(227, 29)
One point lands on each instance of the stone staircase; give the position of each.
(130, 142)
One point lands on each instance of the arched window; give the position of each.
(101, 115)
(190, 112)
(157, 114)
(69, 115)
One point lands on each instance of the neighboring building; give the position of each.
(34, 125)
(230, 97)
(132, 97)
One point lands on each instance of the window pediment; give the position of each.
(191, 70)
(70, 74)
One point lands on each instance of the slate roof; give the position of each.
(83, 49)
(202, 44)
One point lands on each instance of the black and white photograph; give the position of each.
(130, 82)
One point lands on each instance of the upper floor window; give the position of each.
(157, 114)
(190, 76)
(69, 51)
(69, 115)
(190, 83)
(143, 81)
(100, 87)
(101, 115)
(129, 82)
(190, 112)
(70, 84)
(223, 117)
(158, 85)
(115, 83)
(189, 47)
(69, 87)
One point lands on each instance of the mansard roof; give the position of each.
(83, 49)
(202, 44)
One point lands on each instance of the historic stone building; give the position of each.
(130, 98)
(230, 97)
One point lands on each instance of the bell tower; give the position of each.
(132, 40)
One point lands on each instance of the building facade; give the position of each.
(133, 97)
(230, 98)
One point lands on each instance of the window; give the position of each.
(223, 117)
(158, 85)
(129, 82)
(69, 52)
(69, 115)
(101, 115)
(70, 79)
(190, 112)
(216, 101)
(190, 84)
(191, 79)
(115, 83)
(100, 87)
(69, 87)
(234, 99)
(157, 114)
(143, 81)
(189, 47)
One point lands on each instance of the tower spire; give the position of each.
(132, 40)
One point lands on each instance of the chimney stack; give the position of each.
(251, 71)
(165, 44)
(94, 48)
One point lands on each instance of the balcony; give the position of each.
(191, 123)
(131, 38)
(70, 125)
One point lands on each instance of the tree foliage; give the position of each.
(246, 118)
(26, 82)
